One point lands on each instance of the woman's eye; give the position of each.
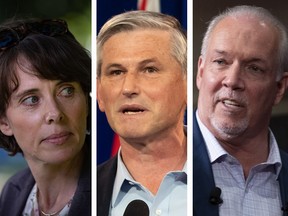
(30, 101)
(67, 91)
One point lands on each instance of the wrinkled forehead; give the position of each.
(240, 24)
(245, 34)
(153, 30)
(152, 34)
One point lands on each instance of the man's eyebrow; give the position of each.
(222, 52)
(252, 59)
(113, 65)
(147, 61)
(143, 62)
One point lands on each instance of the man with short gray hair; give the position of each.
(242, 73)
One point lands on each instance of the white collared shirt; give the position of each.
(170, 200)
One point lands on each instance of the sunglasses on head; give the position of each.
(12, 36)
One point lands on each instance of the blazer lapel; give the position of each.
(21, 192)
(106, 174)
(203, 180)
(81, 204)
(283, 181)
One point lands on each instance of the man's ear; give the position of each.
(282, 86)
(5, 127)
(100, 101)
(199, 72)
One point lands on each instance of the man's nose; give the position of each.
(233, 77)
(130, 84)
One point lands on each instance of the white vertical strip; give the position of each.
(190, 106)
(93, 110)
(153, 5)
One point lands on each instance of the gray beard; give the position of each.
(228, 130)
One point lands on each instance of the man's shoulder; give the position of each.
(106, 173)
(284, 157)
(110, 164)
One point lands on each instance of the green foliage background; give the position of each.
(77, 13)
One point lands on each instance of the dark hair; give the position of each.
(58, 57)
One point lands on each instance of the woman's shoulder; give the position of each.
(15, 192)
(20, 179)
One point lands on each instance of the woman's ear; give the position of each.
(5, 127)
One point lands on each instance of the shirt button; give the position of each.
(131, 183)
(158, 212)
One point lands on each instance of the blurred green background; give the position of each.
(77, 14)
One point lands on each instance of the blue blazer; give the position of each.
(16, 191)
(203, 180)
(106, 174)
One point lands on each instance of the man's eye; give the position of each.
(219, 61)
(255, 68)
(151, 69)
(30, 101)
(116, 72)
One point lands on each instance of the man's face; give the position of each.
(142, 88)
(237, 78)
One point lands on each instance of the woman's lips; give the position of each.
(57, 138)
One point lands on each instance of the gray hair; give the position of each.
(134, 20)
(258, 13)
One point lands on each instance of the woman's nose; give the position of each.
(53, 112)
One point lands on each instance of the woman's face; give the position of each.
(47, 118)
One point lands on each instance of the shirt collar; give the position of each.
(215, 150)
(274, 153)
(123, 175)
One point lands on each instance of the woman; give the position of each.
(45, 79)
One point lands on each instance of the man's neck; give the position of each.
(249, 153)
(148, 163)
